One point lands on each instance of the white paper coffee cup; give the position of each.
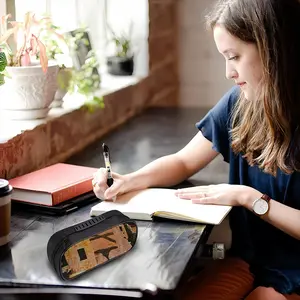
(5, 211)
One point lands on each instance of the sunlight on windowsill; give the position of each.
(11, 128)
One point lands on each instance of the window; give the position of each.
(119, 14)
(2, 7)
(96, 14)
(29, 5)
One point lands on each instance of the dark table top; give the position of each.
(158, 259)
(163, 249)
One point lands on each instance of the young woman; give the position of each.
(255, 127)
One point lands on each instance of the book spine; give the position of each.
(70, 192)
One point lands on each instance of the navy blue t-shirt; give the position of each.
(273, 255)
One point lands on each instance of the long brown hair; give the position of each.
(266, 130)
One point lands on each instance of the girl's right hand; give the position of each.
(102, 190)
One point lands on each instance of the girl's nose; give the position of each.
(231, 73)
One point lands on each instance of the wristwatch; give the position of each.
(260, 206)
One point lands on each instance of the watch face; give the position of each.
(260, 206)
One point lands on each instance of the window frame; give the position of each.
(3, 6)
(141, 58)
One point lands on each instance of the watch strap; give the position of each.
(266, 197)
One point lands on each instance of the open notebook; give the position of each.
(160, 202)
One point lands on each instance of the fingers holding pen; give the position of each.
(100, 183)
(100, 178)
(101, 188)
(112, 191)
(106, 184)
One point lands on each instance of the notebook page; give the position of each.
(138, 203)
(162, 202)
(209, 214)
(182, 209)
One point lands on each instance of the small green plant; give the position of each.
(84, 78)
(122, 43)
(122, 46)
(86, 81)
(77, 38)
(3, 64)
(54, 41)
(53, 46)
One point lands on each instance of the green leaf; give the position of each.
(2, 81)
(3, 61)
(98, 100)
(6, 74)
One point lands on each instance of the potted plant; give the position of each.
(31, 84)
(122, 62)
(86, 82)
(85, 79)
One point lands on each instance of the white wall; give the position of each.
(201, 66)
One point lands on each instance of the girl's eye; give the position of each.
(233, 58)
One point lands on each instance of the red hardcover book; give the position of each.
(53, 185)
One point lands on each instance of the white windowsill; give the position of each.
(109, 84)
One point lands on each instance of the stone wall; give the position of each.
(59, 138)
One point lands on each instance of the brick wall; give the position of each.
(64, 136)
(163, 54)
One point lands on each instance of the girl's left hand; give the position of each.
(222, 194)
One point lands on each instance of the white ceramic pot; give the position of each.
(29, 92)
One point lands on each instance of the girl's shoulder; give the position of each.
(225, 105)
(216, 124)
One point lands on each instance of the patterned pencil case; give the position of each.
(82, 247)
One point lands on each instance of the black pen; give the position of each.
(107, 162)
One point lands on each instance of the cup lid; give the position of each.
(5, 188)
